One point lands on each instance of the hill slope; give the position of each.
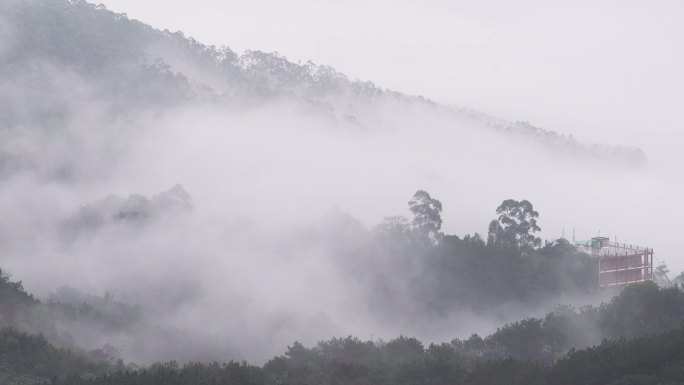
(70, 50)
(640, 329)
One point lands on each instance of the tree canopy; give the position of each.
(426, 210)
(515, 226)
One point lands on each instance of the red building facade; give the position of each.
(619, 263)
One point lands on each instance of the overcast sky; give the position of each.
(608, 71)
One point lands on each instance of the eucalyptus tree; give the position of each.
(427, 218)
(515, 226)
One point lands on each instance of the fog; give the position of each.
(240, 228)
(263, 249)
(606, 72)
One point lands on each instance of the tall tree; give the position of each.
(426, 211)
(515, 226)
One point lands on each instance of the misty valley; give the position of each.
(173, 212)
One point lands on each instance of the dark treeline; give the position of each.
(639, 336)
(653, 360)
(58, 322)
(24, 353)
(409, 264)
(430, 274)
(407, 268)
(656, 357)
(639, 310)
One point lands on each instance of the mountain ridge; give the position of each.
(135, 66)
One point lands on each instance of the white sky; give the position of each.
(608, 71)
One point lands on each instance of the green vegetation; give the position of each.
(639, 310)
(449, 272)
(22, 315)
(14, 301)
(647, 360)
(511, 266)
(636, 338)
(453, 272)
(24, 353)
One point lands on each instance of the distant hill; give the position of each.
(55, 53)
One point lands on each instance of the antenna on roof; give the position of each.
(573, 235)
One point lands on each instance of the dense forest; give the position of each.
(58, 319)
(407, 268)
(445, 273)
(532, 350)
(651, 360)
(508, 264)
(636, 338)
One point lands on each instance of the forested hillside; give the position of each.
(33, 355)
(408, 270)
(641, 330)
(652, 360)
(24, 354)
(69, 319)
(81, 56)
(433, 275)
